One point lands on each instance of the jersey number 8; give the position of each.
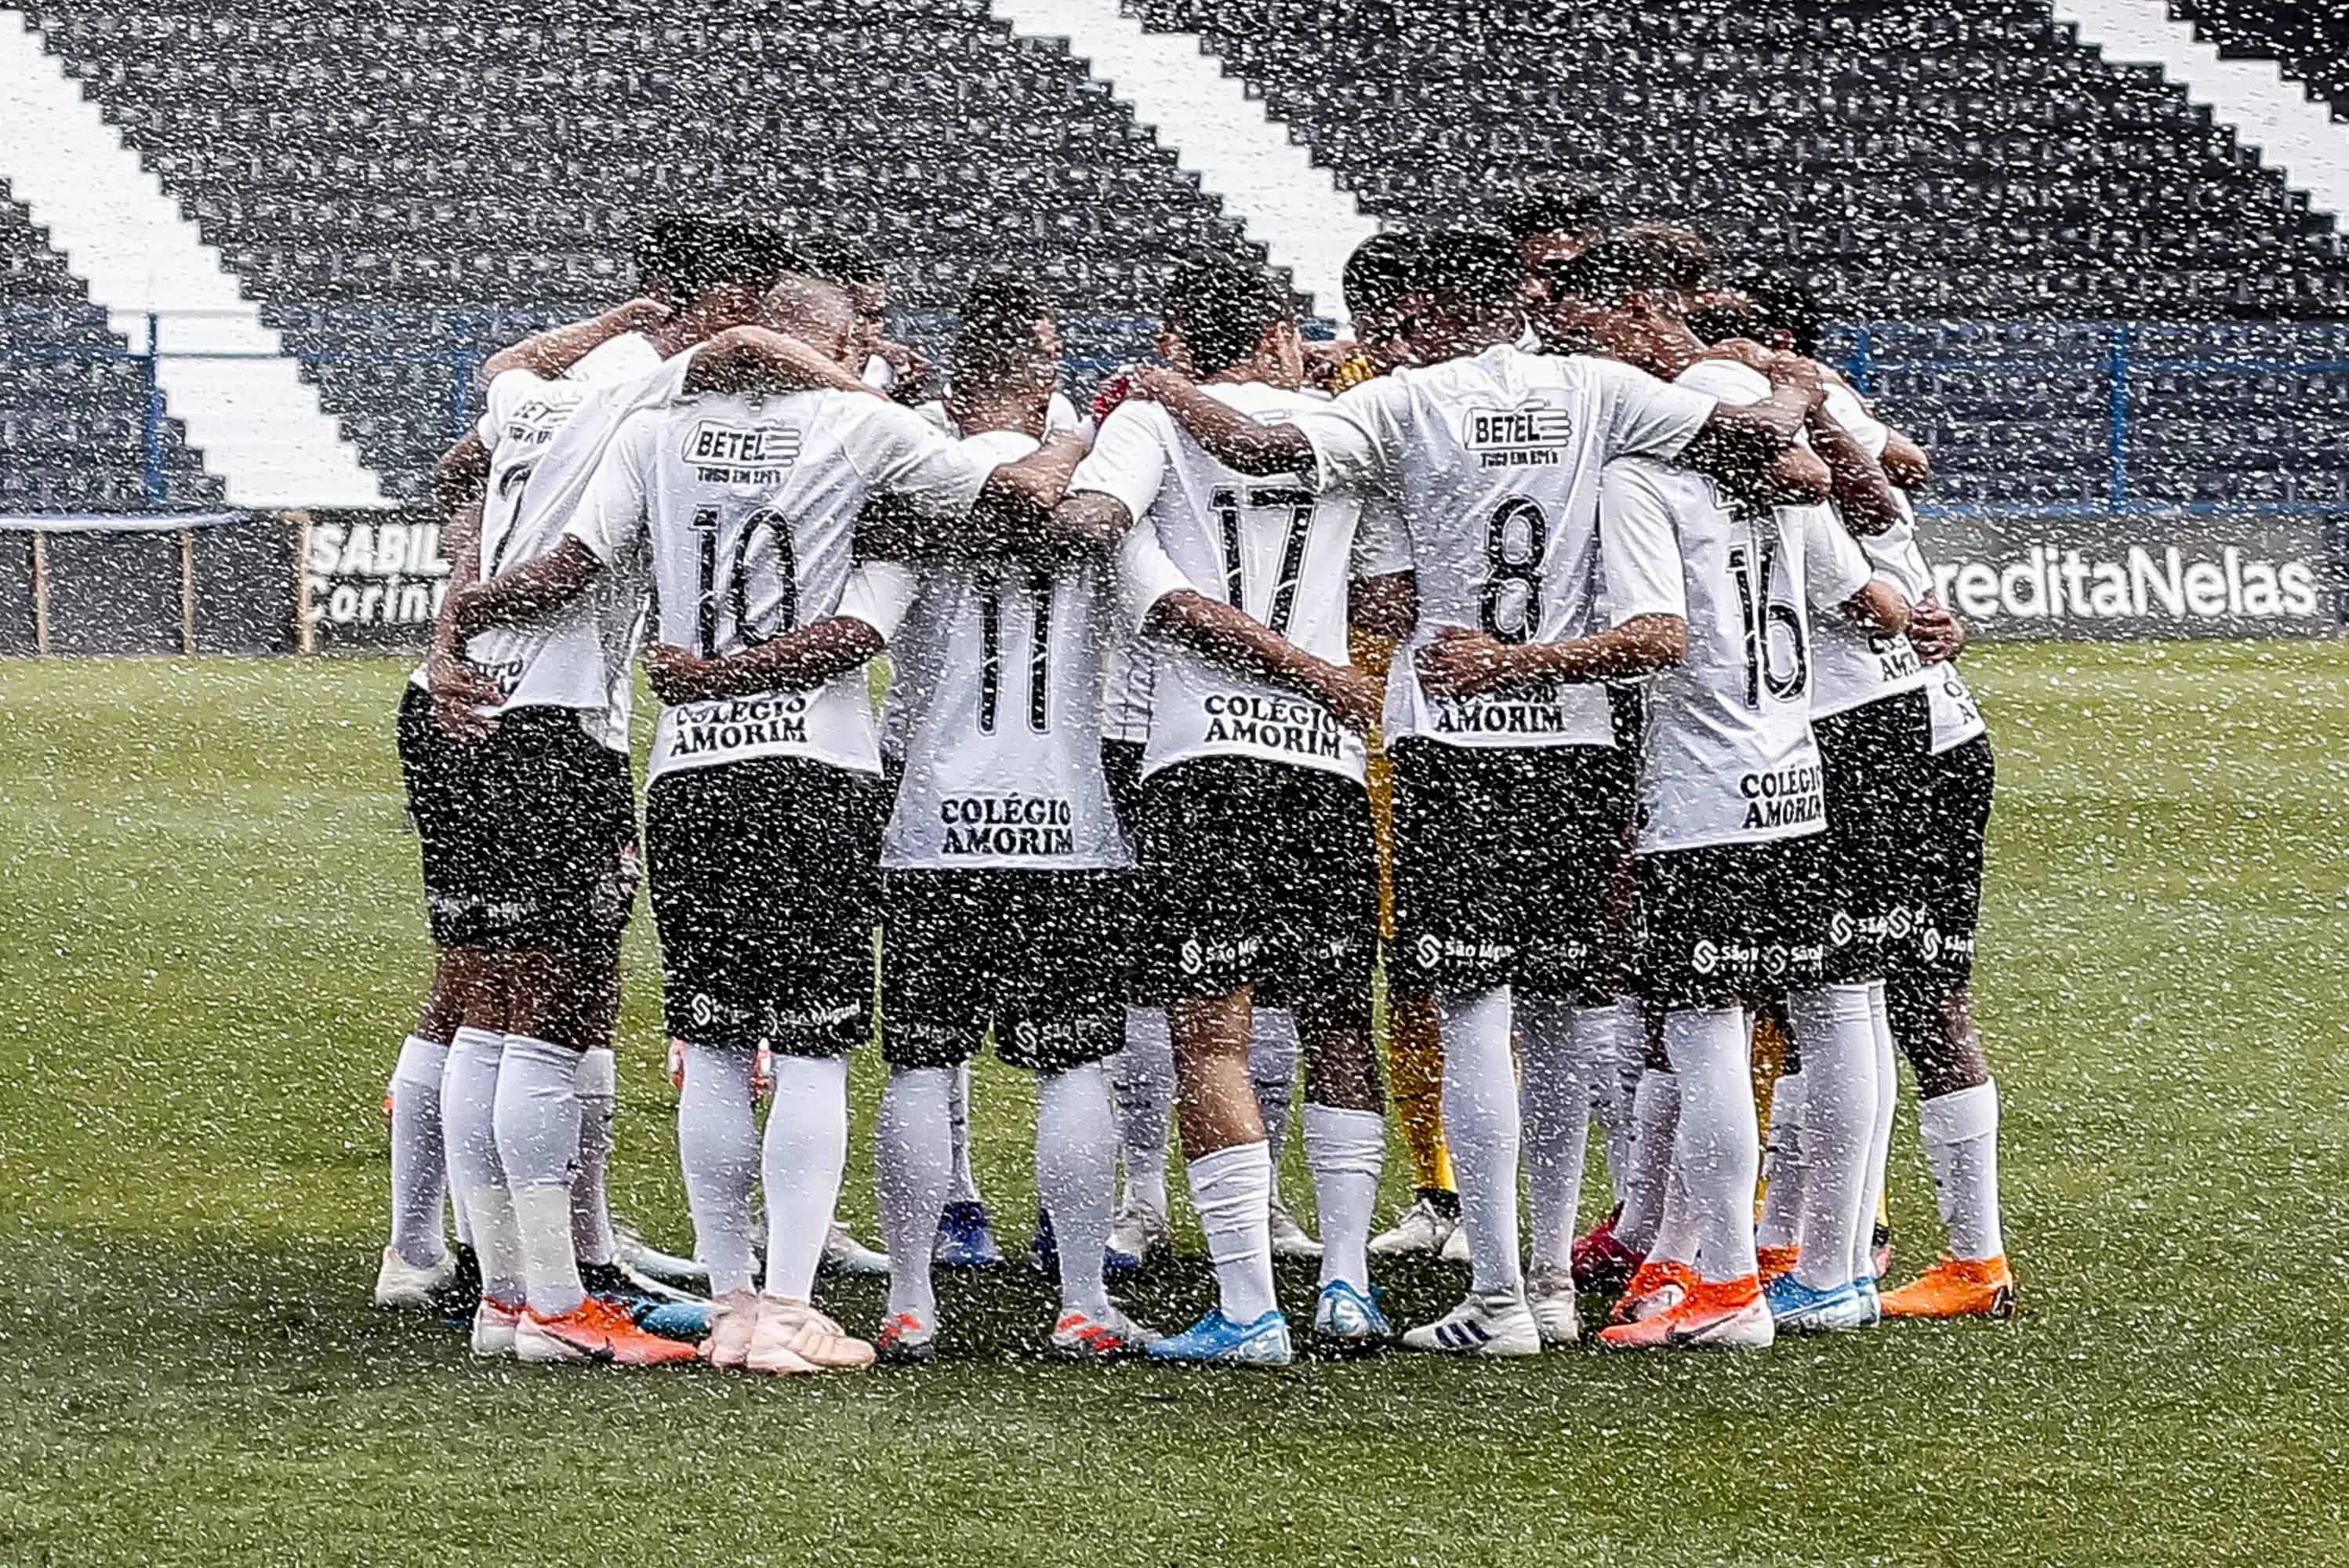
(1515, 536)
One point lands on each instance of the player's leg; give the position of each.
(1272, 1071)
(1840, 1092)
(1778, 1232)
(1414, 1065)
(1555, 1047)
(1144, 1077)
(965, 1237)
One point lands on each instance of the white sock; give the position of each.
(590, 1205)
(1781, 1225)
(806, 1149)
(1717, 1149)
(1076, 1178)
(1838, 1041)
(1555, 1045)
(912, 1171)
(1145, 1105)
(1655, 1112)
(1345, 1149)
(1960, 1135)
(538, 1142)
(718, 1144)
(458, 1217)
(1480, 1123)
(965, 1186)
(1272, 1073)
(1614, 1080)
(419, 1157)
(1677, 1231)
(1232, 1189)
(468, 1096)
(1879, 1147)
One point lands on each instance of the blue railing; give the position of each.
(2112, 384)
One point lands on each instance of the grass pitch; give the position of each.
(209, 946)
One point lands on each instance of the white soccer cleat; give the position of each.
(734, 1317)
(1290, 1239)
(493, 1328)
(1550, 1298)
(1081, 1336)
(1136, 1236)
(1486, 1323)
(1419, 1231)
(401, 1284)
(793, 1336)
(1455, 1247)
(844, 1254)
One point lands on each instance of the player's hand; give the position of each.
(1331, 365)
(680, 675)
(1462, 664)
(1937, 635)
(460, 690)
(677, 1064)
(637, 314)
(1795, 370)
(1124, 382)
(911, 369)
(1156, 381)
(1352, 697)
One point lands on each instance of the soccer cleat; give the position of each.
(1421, 1229)
(1798, 1308)
(1486, 1323)
(1602, 1264)
(401, 1284)
(1081, 1336)
(1550, 1297)
(686, 1320)
(965, 1241)
(1454, 1249)
(844, 1254)
(1217, 1341)
(1290, 1239)
(620, 1278)
(1659, 1286)
(666, 1269)
(732, 1318)
(1865, 1285)
(493, 1327)
(1956, 1287)
(1043, 1248)
(793, 1336)
(1730, 1314)
(905, 1341)
(1776, 1263)
(1138, 1236)
(1347, 1323)
(596, 1330)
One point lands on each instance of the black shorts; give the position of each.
(529, 834)
(765, 889)
(1503, 860)
(1037, 956)
(1255, 874)
(1122, 766)
(1960, 782)
(1727, 924)
(1873, 759)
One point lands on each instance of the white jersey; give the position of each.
(1496, 461)
(1729, 757)
(1957, 718)
(1855, 666)
(751, 507)
(579, 656)
(1268, 546)
(999, 682)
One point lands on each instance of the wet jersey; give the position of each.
(1957, 718)
(750, 508)
(1267, 544)
(1729, 757)
(1855, 666)
(997, 689)
(1495, 461)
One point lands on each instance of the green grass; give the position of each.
(209, 947)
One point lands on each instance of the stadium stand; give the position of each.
(2309, 43)
(402, 185)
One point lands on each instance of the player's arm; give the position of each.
(1462, 663)
(1841, 581)
(1878, 607)
(872, 607)
(1739, 441)
(459, 691)
(1905, 463)
(1018, 508)
(1385, 606)
(1938, 635)
(558, 348)
(525, 592)
(1226, 434)
(1226, 636)
(1857, 481)
(755, 359)
(608, 522)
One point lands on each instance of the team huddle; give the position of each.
(1553, 658)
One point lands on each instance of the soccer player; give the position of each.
(1005, 876)
(557, 829)
(1731, 864)
(1255, 837)
(1496, 713)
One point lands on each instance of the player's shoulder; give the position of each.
(626, 356)
(994, 447)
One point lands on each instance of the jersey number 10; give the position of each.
(725, 586)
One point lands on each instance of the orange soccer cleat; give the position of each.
(1776, 1261)
(1658, 1285)
(599, 1329)
(1724, 1315)
(1956, 1287)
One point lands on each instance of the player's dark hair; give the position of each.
(1472, 268)
(1783, 304)
(1562, 205)
(837, 259)
(1223, 309)
(699, 254)
(1382, 269)
(1655, 259)
(995, 333)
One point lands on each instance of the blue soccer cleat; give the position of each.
(1043, 1250)
(1866, 1285)
(1217, 1341)
(688, 1320)
(1346, 1322)
(1798, 1308)
(966, 1240)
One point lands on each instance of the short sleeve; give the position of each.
(1143, 574)
(1357, 437)
(880, 594)
(1834, 566)
(1852, 416)
(1128, 459)
(904, 455)
(508, 392)
(1639, 546)
(1642, 417)
(610, 517)
(1382, 539)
